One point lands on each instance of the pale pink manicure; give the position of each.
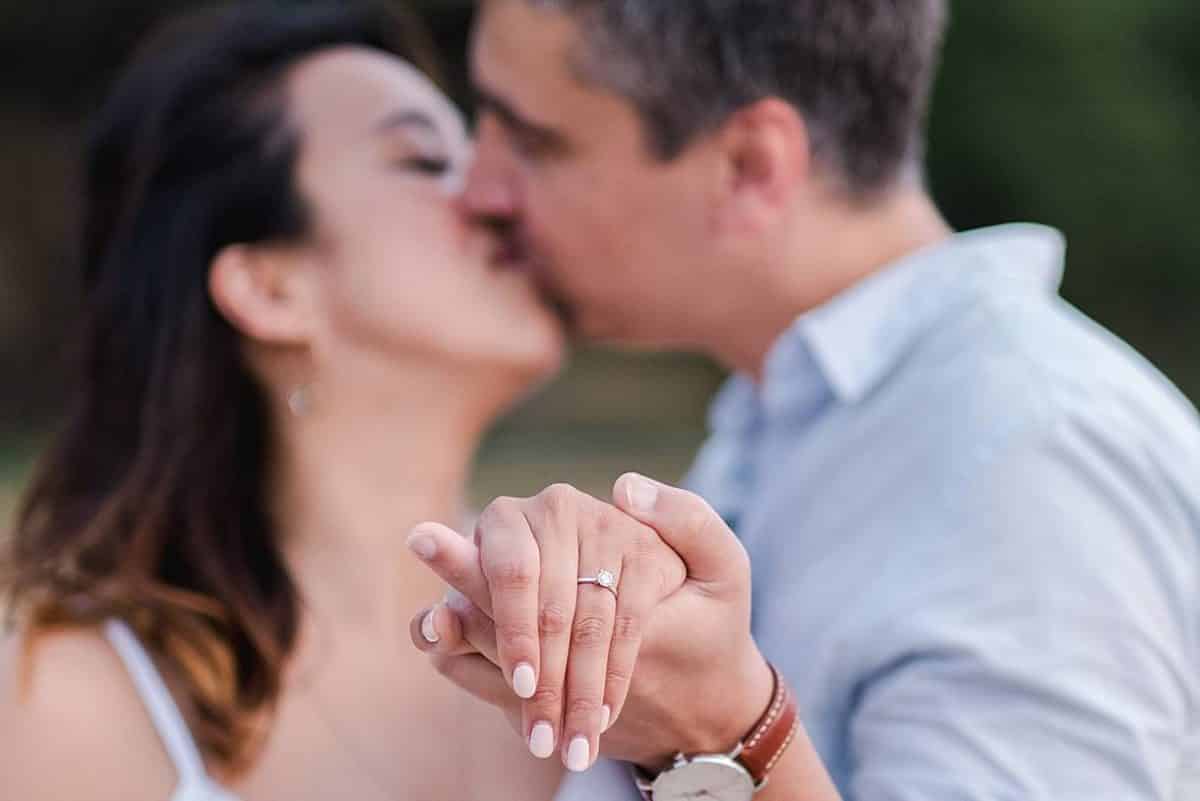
(578, 755)
(524, 681)
(429, 629)
(423, 545)
(541, 740)
(605, 717)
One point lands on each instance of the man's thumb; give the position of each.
(685, 521)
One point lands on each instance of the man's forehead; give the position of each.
(523, 66)
(522, 52)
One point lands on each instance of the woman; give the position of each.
(293, 342)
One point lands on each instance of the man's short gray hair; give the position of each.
(858, 71)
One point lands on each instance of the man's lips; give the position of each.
(515, 255)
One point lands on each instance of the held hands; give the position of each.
(559, 656)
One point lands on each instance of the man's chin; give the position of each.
(562, 309)
(568, 319)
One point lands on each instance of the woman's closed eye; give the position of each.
(432, 166)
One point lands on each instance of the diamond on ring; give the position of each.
(605, 579)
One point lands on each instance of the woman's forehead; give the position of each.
(350, 92)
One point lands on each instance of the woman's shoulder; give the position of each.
(72, 724)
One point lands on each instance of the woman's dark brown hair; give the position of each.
(151, 505)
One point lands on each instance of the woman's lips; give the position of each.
(510, 257)
(512, 254)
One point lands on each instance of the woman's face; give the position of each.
(401, 273)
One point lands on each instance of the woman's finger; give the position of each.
(455, 559)
(603, 537)
(640, 592)
(552, 518)
(480, 678)
(450, 629)
(511, 564)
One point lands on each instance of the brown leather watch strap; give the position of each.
(773, 733)
(760, 751)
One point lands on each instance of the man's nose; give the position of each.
(490, 189)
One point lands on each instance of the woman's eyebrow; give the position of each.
(407, 118)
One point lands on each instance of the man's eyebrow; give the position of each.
(511, 118)
(407, 118)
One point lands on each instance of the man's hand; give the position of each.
(700, 681)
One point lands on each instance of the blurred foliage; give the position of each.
(1082, 114)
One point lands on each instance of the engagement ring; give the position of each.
(603, 578)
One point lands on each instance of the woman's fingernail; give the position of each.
(524, 681)
(541, 740)
(422, 544)
(578, 755)
(605, 716)
(429, 629)
(642, 494)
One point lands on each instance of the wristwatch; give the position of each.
(739, 774)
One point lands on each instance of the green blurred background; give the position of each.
(1082, 114)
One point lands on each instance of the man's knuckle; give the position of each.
(645, 544)
(589, 630)
(606, 521)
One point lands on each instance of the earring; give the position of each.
(299, 400)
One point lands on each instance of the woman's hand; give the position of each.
(700, 681)
(566, 649)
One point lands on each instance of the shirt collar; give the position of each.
(853, 341)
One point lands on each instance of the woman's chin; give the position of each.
(541, 364)
(523, 371)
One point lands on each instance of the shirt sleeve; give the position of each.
(1046, 651)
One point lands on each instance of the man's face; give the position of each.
(614, 235)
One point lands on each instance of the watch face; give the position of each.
(716, 778)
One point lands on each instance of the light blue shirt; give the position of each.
(974, 521)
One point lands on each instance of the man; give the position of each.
(971, 513)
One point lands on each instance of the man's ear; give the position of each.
(264, 292)
(766, 148)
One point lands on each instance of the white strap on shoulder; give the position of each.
(171, 726)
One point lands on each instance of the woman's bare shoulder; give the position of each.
(72, 726)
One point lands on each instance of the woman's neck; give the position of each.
(352, 478)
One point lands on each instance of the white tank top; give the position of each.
(194, 782)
